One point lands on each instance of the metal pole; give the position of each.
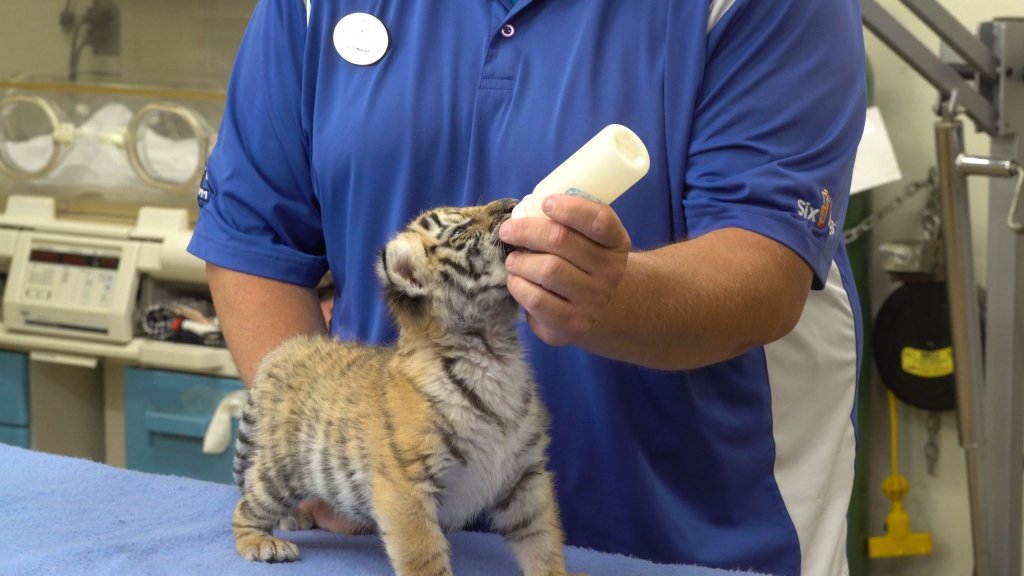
(1004, 374)
(964, 320)
(1004, 342)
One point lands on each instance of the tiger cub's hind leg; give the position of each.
(253, 520)
(298, 519)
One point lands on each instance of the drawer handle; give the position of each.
(64, 359)
(176, 424)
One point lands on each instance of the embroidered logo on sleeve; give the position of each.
(205, 192)
(821, 215)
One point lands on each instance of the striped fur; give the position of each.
(413, 439)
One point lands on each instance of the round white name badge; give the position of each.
(361, 38)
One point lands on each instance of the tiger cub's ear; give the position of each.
(404, 266)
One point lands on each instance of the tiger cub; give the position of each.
(416, 438)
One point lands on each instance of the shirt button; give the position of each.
(508, 31)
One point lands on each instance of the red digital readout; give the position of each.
(44, 256)
(106, 262)
(72, 259)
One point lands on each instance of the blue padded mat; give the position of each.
(67, 516)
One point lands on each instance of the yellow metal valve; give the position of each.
(898, 539)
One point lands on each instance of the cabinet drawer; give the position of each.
(14, 435)
(166, 415)
(13, 388)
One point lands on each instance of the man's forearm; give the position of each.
(257, 314)
(702, 301)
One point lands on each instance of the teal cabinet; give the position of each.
(14, 411)
(165, 419)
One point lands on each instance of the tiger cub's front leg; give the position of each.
(407, 520)
(528, 520)
(254, 518)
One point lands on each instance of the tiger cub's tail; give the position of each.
(245, 445)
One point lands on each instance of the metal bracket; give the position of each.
(974, 52)
(994, 62)
(927, 64)
(1007, 37)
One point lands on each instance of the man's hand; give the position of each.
(681, 306)
(574, 267)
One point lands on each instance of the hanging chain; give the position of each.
(864, 226)
(932, 423)
(931, 222)
(931, 217)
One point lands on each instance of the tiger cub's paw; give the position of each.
(267, 549)
(298, 519)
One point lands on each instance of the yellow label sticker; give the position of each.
(927, 363)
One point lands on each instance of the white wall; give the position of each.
(936, 504)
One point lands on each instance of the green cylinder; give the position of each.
(859, 252)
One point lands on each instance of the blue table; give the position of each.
(68, 516)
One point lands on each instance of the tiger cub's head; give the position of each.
(446, 269)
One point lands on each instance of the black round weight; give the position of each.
(913, 346)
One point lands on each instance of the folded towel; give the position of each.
(68, 517)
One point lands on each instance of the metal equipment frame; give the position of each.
(989, 88)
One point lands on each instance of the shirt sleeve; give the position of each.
(258, 210)
(777, 124)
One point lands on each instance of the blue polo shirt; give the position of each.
(751, 111)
